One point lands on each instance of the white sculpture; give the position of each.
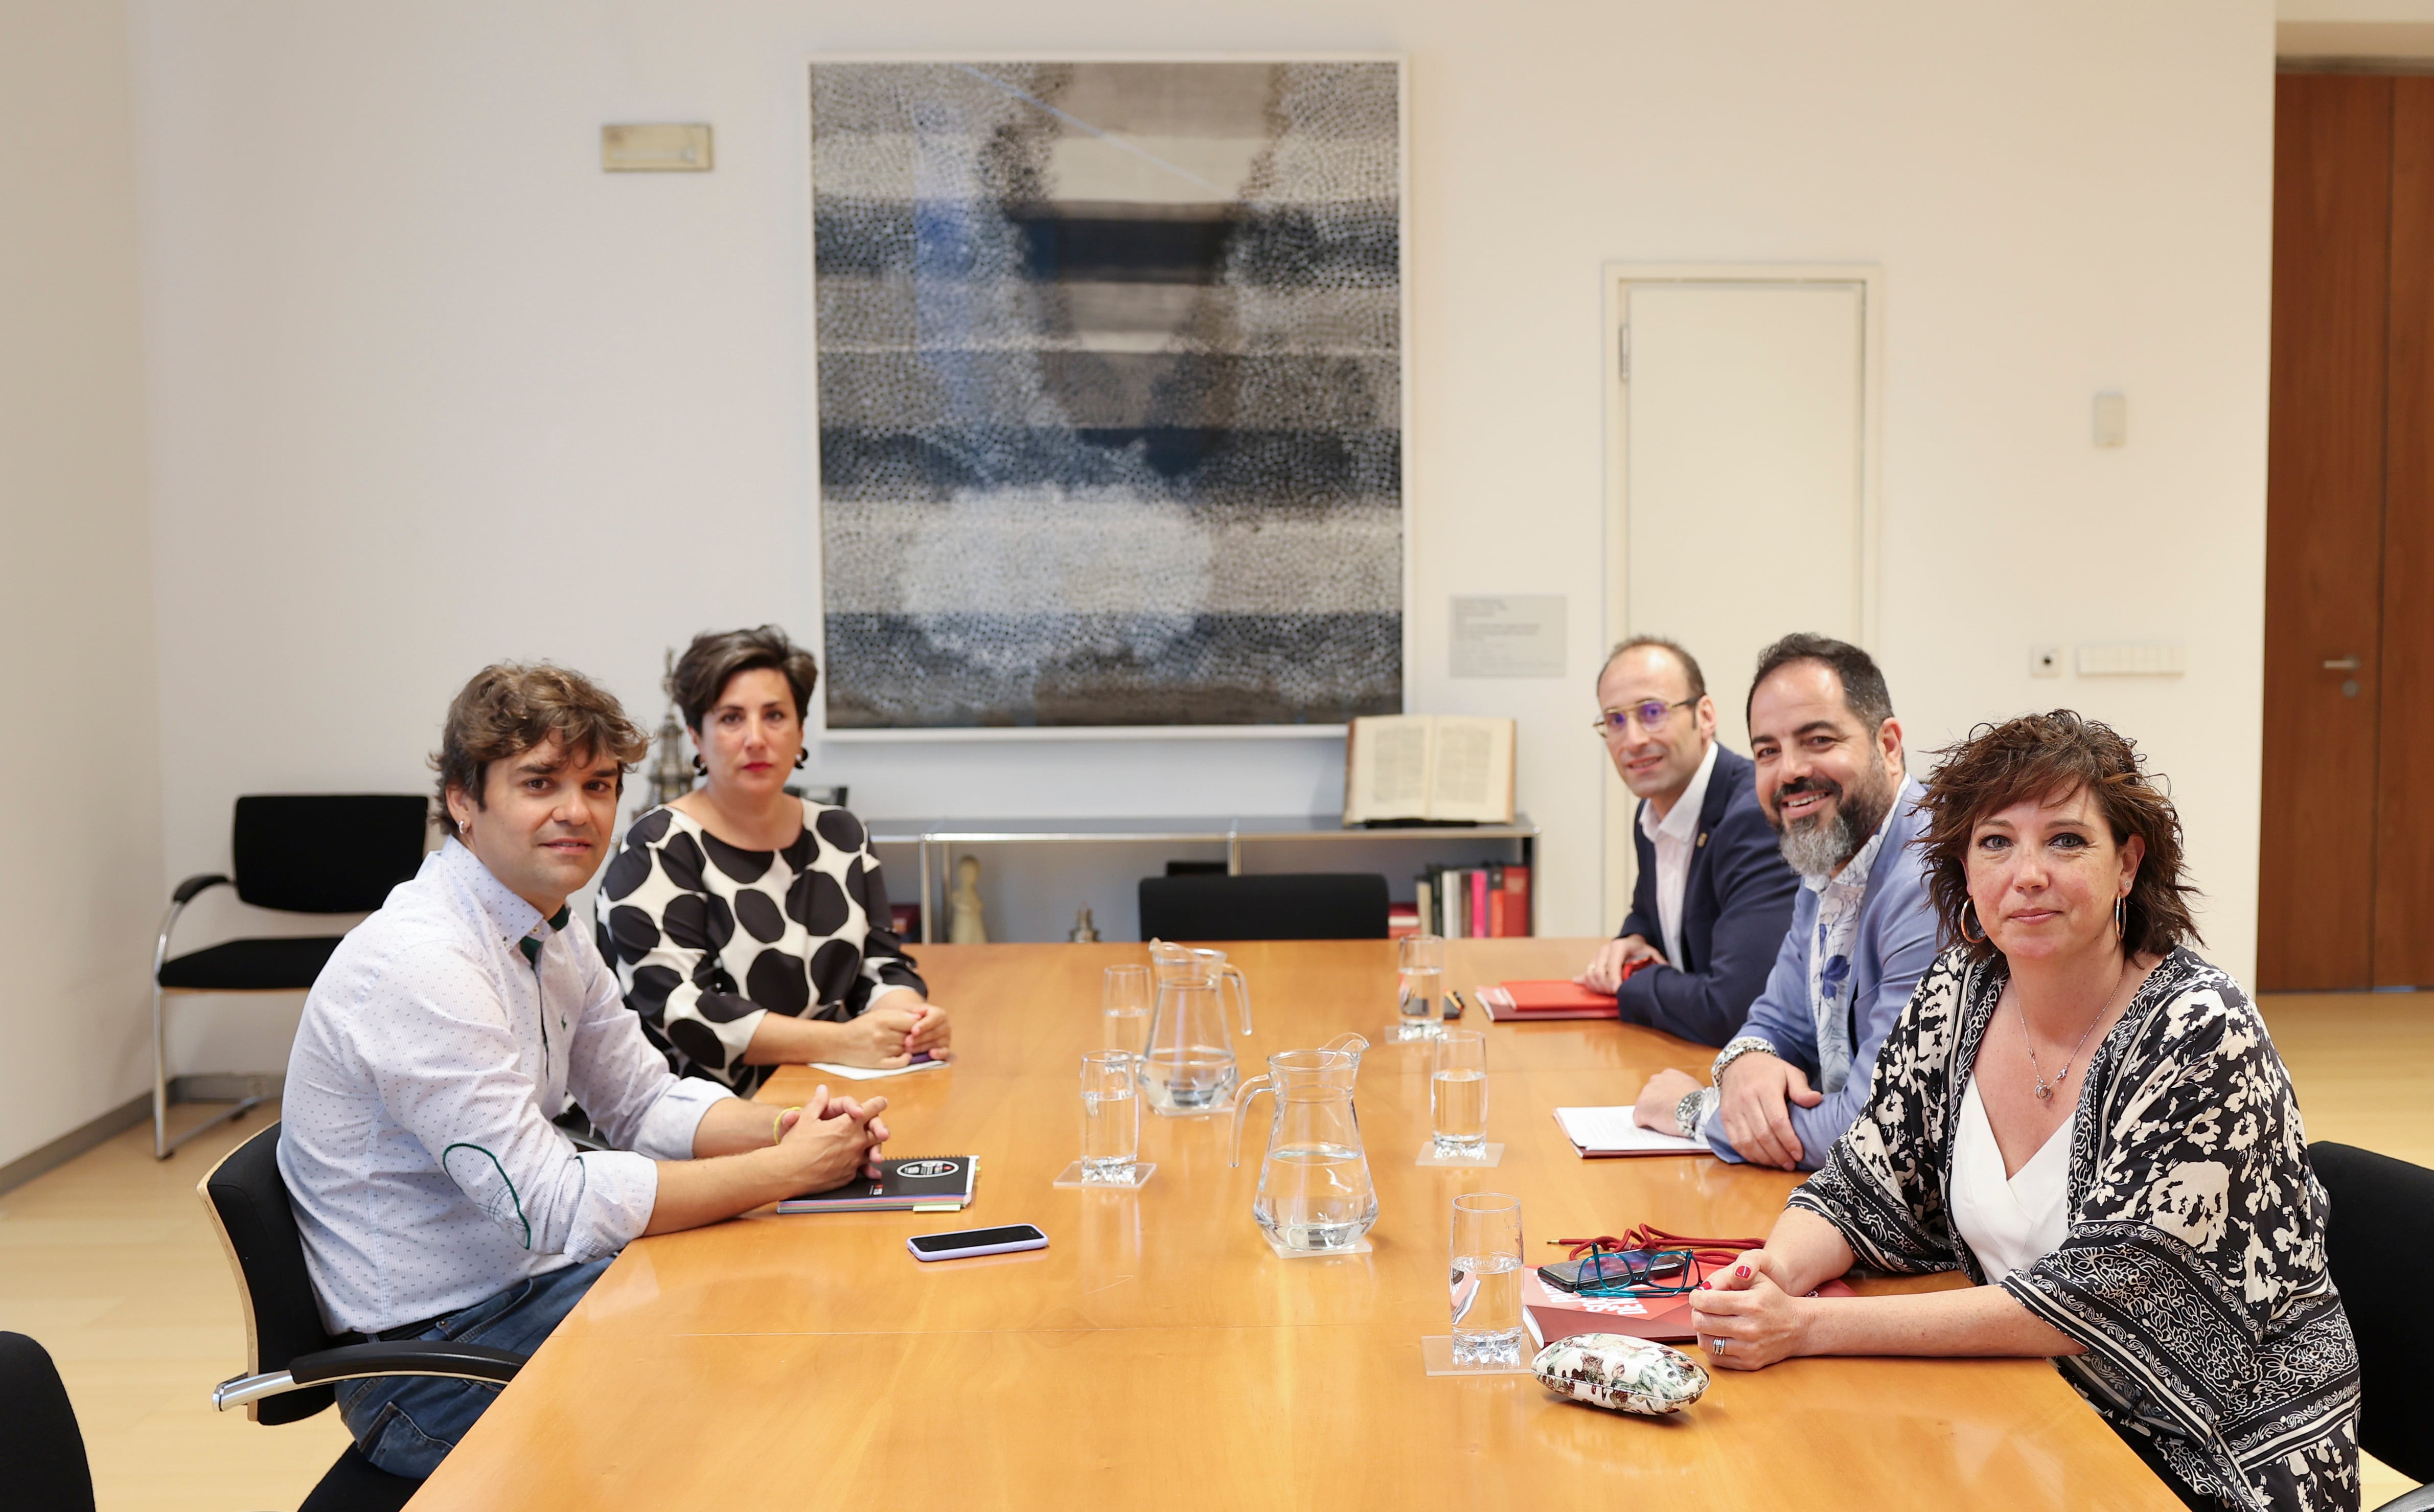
(964, 926)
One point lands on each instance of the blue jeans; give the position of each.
(407, 1424)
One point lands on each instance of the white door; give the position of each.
(1741, 481)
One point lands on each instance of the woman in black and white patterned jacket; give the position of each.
(749, 928)
(2089, 1122)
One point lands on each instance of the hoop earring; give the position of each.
(700, 767)
(800, 758)
(1968, 909)
(2121, 917)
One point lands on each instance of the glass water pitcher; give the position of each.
(1315, 1193)
(1189, 1067)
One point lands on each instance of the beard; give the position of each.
(1817, 847)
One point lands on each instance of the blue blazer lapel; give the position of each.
(1699, 904)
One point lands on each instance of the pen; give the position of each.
(1454, 996)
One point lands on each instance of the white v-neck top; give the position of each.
(2009, 1223)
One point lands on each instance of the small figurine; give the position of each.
(964, 926)
(671, 776)
(1085, 932)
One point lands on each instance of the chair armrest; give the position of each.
(187, 892)
(354, 1362)
(192, 887)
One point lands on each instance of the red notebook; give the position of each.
(1551, 1314)
(1525, 1001)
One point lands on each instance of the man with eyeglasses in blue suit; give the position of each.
(1714, 895)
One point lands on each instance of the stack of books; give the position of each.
(1489, 901)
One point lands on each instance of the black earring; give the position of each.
(700, 767)
(800, 757)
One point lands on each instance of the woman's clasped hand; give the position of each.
(1745, 1319)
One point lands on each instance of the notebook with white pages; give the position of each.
(1600, 1133)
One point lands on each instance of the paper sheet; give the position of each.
(1610, 1131)
(871, 1073)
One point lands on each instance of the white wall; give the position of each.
(430, 389)
(81, 752)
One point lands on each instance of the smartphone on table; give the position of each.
(963, 1243)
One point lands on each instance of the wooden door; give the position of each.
(2404, 852)
(2346, 894)
(2323, 527)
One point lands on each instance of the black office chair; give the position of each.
(2383, 1213)
(292, 1361)
(318, 853)
(1309, 905)
(42, 1467)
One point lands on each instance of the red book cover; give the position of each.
(1529, 1002)
(1533, 999)
(1516, 899)
(1551, 1315)
(1479, 920)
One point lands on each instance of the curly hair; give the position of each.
(511, 706)
(2044, 756)
(716, 656)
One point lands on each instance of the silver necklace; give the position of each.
(2047, 1089)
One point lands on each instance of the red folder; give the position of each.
(1527, 1001)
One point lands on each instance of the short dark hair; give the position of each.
(512, 707)
(716, 656)
(2044, 756)
(1864, 686)
(1698, 680)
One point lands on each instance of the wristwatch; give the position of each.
(1733, 1050)
(1693, 1109)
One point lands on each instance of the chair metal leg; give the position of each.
(161, 1146)
(239, 1110)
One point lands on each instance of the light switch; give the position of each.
(655, 148)
(2134, 658)
(2112, 418)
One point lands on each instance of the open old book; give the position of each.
(1428, 770)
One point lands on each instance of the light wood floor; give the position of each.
(110, 1263)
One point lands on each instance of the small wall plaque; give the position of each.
(655, 148)
(1509, 635)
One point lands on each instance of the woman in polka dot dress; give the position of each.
(748, 928)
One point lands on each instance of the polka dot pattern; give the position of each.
(719, 933)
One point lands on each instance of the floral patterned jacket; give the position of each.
(2194, 1274)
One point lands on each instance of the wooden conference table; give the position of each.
(1158, 1354)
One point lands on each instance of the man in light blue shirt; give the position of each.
(436, 1197)
(1831, 776)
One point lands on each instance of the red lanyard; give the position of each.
(1648, 1236)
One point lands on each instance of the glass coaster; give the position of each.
(1436, 1356)
(1360, 1248)
(1224, 1108)
(1071, 1176)
(1489, 1154)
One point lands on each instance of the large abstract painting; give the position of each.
(1110, 392)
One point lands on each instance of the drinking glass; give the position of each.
(1123, 1008)
(1110, 1117)
(1458, 1095)
(1486, 1271)
(1421, 962)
